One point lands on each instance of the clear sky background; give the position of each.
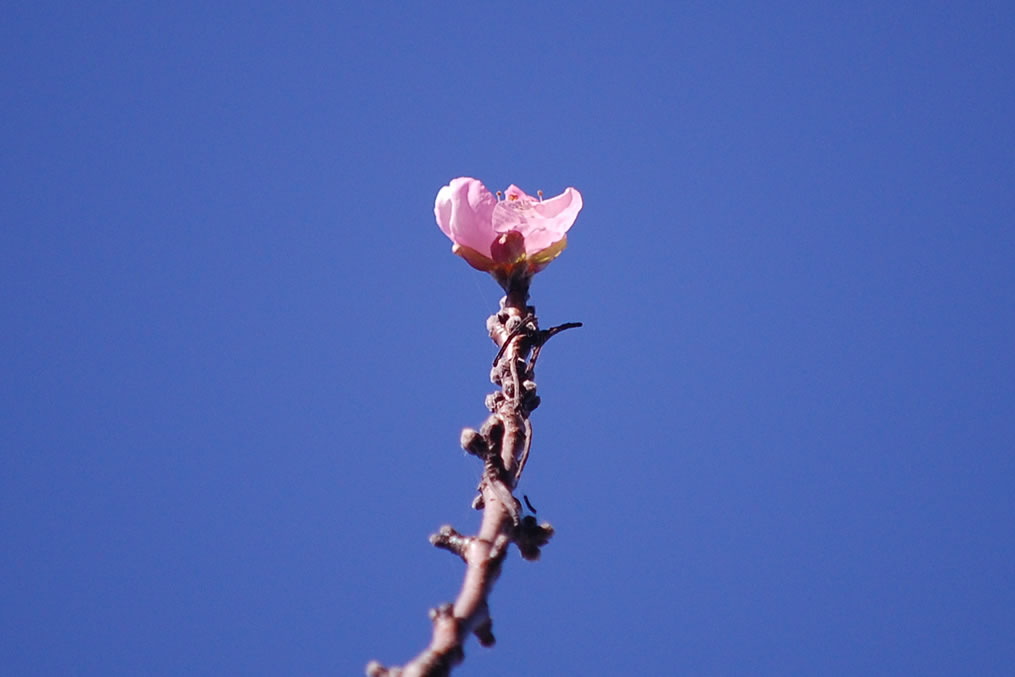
(236, 352)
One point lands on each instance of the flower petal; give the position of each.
(559, 213)
(542, 223)
(464, 211)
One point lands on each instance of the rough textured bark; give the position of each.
(503, 444)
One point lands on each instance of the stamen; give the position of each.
(500, 196)
(540, 194)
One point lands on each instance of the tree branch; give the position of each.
(503, 443)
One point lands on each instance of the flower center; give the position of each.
(516, 197)
(508, 248)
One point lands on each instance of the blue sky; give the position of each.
(237, 354)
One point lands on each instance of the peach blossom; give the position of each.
(516, 234)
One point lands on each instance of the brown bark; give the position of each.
(503, 444)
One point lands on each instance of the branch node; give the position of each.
(514, 326)
(530, 536)
(375, 669)
(474, 443)
(493, 430)
(444, 611)
(494, 400)
(452, 541)
(498, 549)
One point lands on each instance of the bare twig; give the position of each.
(545, 336)
(503, 443)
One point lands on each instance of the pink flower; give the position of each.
(515, 236)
